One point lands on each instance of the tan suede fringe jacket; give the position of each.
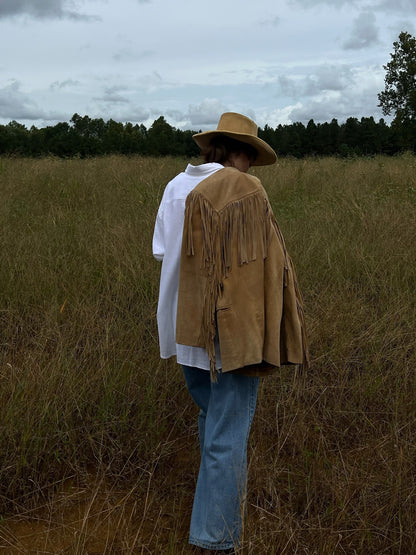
(237, 279)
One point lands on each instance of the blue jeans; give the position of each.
(225, 417)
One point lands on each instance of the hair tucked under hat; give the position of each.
(242, 129)
(220, 148)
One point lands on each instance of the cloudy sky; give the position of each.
(278, 61)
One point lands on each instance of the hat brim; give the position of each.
(265, 154)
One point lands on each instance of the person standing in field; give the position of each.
(229, 309)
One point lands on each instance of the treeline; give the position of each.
(85, 137)
(352, 138)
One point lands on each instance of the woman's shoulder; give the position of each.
(230, 177)
(227, 185)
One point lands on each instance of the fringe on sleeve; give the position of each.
(299, 301)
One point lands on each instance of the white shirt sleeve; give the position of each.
(166, 247)
(158, 238)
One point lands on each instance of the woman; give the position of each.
(229, 310)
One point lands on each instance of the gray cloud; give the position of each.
(319, 111)
(68, 83)
(201, 116)
(403, 25)
(207, 113)
(357, 100)
(333, 91)
(287, 86)
(364, 32)
(404, 6)
(174, 115)
(112, 96)
(340, 107)
(132, 114)
(151, 82)
(330, 77)
(327, 77)
(16, 105)
(118, 111)
(42, 9)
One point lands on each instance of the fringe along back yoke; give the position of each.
(237, 279)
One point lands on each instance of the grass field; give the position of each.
(98, 437)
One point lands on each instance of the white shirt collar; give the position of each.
(203, 168)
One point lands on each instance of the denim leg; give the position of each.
(222, 481)
(199, 385)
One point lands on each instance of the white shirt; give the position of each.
(167, 243)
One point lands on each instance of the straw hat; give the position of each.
(242, 129)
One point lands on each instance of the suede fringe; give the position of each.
(299, 300)
(301, 315)
(234, 226)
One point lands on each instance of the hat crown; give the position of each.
(237, 123)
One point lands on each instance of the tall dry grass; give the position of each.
(98, 448)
